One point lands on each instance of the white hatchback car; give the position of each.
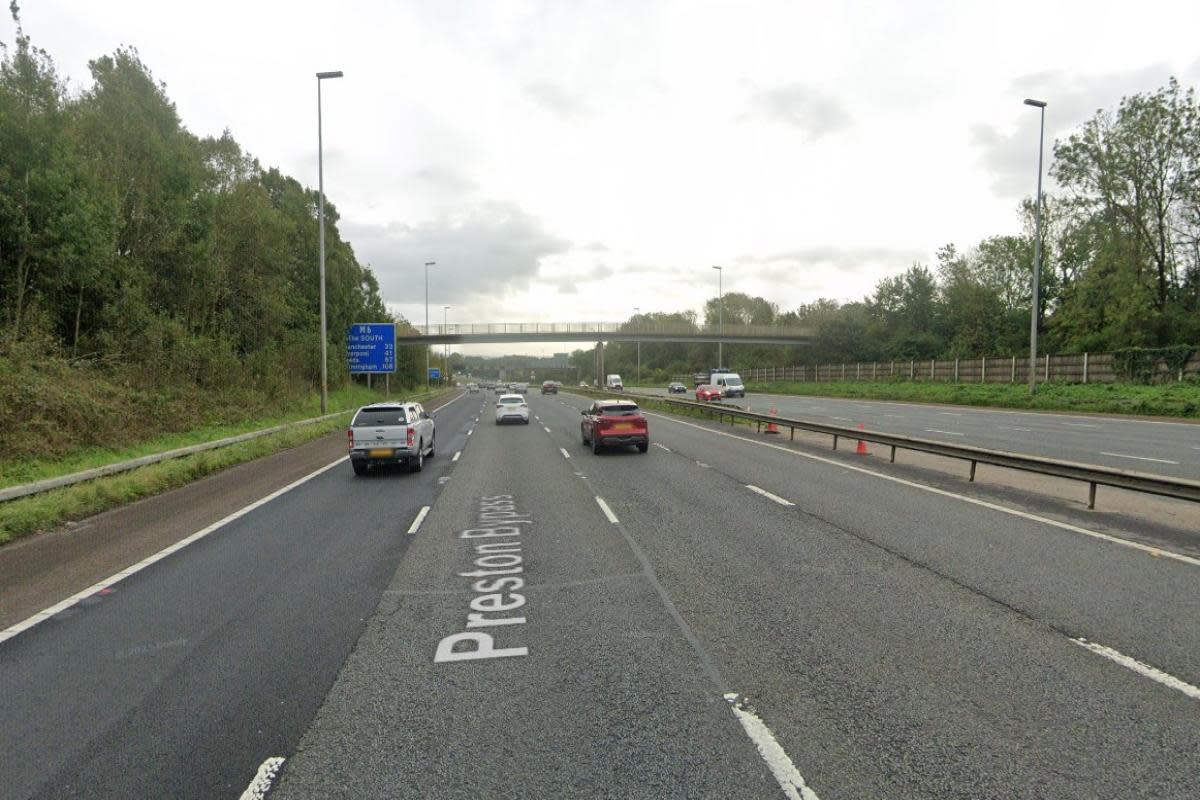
(512, 408)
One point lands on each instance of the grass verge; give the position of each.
(1181, 400)
(26, 470)
(39, 512)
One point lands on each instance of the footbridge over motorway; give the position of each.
(501, 332)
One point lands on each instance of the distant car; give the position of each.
(583, 385)
(707, 393)
(699, 378)
(675, 387)
(391, 433)
(549, 387)
(473, 388)
(612, 423)
(512, 408)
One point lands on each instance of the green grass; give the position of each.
(1181, 400)
(26, 470)
(28, 515)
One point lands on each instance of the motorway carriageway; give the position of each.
(1158, 447)
(716, 618)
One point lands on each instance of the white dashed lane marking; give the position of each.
(416, 523)
(1139, 458)
(608, 512)
(776, 498)
(563, 450)
(459, 453)
(1141, 668)
(261, 784)
(948, 433)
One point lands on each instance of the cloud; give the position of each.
(813, 112)
(490, 250)
(1010, 156)
(444, 179)
(555, 99)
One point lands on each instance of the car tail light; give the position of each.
(412, 436)
(350, 437)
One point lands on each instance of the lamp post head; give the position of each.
(323, 75)
(716, 268)
(1035, 103)
(430, 263)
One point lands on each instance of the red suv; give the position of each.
(610, 423)
(708, 393)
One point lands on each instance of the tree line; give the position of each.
(129, 242)
(1120, 266)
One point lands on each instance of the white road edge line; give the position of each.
(1140, 458)
(563, 450)
(948, 433)
(456, 456)
(416, 523)
(608, 512)
(769, 496)
(1141, 668)
(46, 613)
(777, 759)
(1066, 526)
(263, 779)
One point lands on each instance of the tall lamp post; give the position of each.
(720, 317)
(1035, 304)
(636, 312)
(428, 264)
(445, 347)
(321, 239)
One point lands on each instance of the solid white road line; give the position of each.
(1014, 428)
(1139, 458)
(847, 419)
(769, 496)
(608, 512)
(1066, 526)
(261, 784)
(416, 523)
(1141, 668)
(778, 761)
(948, 433)
(46, 613)
(563, 450)
(456, 455)
(1080, 425)
(951, 413)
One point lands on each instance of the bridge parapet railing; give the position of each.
(658, 328)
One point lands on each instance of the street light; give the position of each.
(721, 317)
(446, 346)
(321, 238)
(636, 312)
(428, 264)
(1035, 305)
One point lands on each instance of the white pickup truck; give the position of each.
(391, 433)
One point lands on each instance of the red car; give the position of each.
(707, 393)
(609, 423)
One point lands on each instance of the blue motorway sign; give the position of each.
(435, 373)
(371, 347)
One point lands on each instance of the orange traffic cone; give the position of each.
(862, 446)
(771, 426)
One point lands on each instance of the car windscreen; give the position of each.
(385, 415)
(622, 410)
(733, 381)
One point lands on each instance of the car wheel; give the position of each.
(595, 445)
(419, 463)
(643, 447)
(360, 467)
(583, 436)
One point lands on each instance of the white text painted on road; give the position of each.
(497, 554)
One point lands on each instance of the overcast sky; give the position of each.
(572, 160)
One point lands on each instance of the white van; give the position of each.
(730, 384)
(614, 383)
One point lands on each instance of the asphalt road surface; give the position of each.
(721, 617)
(1158, 447)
